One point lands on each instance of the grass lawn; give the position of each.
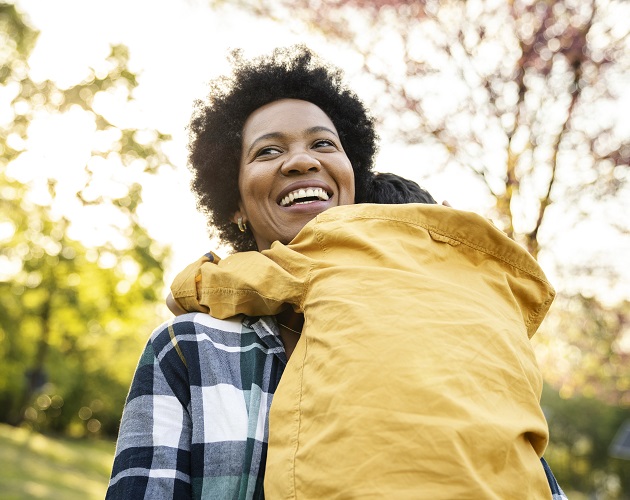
(37, 466)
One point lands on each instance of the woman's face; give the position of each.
(293, 167)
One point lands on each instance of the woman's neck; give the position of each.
(291, 324)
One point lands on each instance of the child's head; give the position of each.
(392, 189)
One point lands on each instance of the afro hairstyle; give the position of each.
(215, 129)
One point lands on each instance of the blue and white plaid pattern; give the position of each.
(195, 421)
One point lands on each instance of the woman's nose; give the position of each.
(300, 163)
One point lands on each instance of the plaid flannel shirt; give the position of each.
(195, 421)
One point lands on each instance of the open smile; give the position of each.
(304, 196)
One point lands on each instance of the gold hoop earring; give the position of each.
(242, 225)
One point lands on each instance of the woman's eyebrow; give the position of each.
(321, 129)
(280, 135)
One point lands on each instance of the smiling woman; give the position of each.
(280, 155)
(291, 154)
(195, 423)
(219, 149)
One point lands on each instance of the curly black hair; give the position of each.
(392, 189)
(215, 129)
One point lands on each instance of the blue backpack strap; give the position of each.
(556, 491)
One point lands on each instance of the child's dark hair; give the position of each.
(392, 189)
(215, 130)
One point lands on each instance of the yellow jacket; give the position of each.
(414, 376)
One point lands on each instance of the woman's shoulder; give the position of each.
(204, 323)
(195, 327)
(200, 335)
(198, 350)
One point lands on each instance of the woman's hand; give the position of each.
(173, 306)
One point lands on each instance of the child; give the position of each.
(414, 376)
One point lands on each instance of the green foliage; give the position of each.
(17, 38)
(584, 353)
(71, 326)
(582, 430)
(584, 349)
(73, 319)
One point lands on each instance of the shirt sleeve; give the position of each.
(248, 283)
(153, 447)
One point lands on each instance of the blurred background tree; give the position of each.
(523, 101)
(581, 430)
(523, 95)
(73, 318)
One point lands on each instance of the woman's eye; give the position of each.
(267, 151)
(323, 143)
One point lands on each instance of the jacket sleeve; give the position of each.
(185, 285)
(251, 283)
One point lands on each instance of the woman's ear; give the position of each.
(240, 219)
(240, 213)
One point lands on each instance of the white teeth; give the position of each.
(304, 193)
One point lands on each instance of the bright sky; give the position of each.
(176, 46)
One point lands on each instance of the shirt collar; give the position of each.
(266, 327)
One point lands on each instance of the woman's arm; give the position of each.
(153, 456)
(173, 306)
(195, 421)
